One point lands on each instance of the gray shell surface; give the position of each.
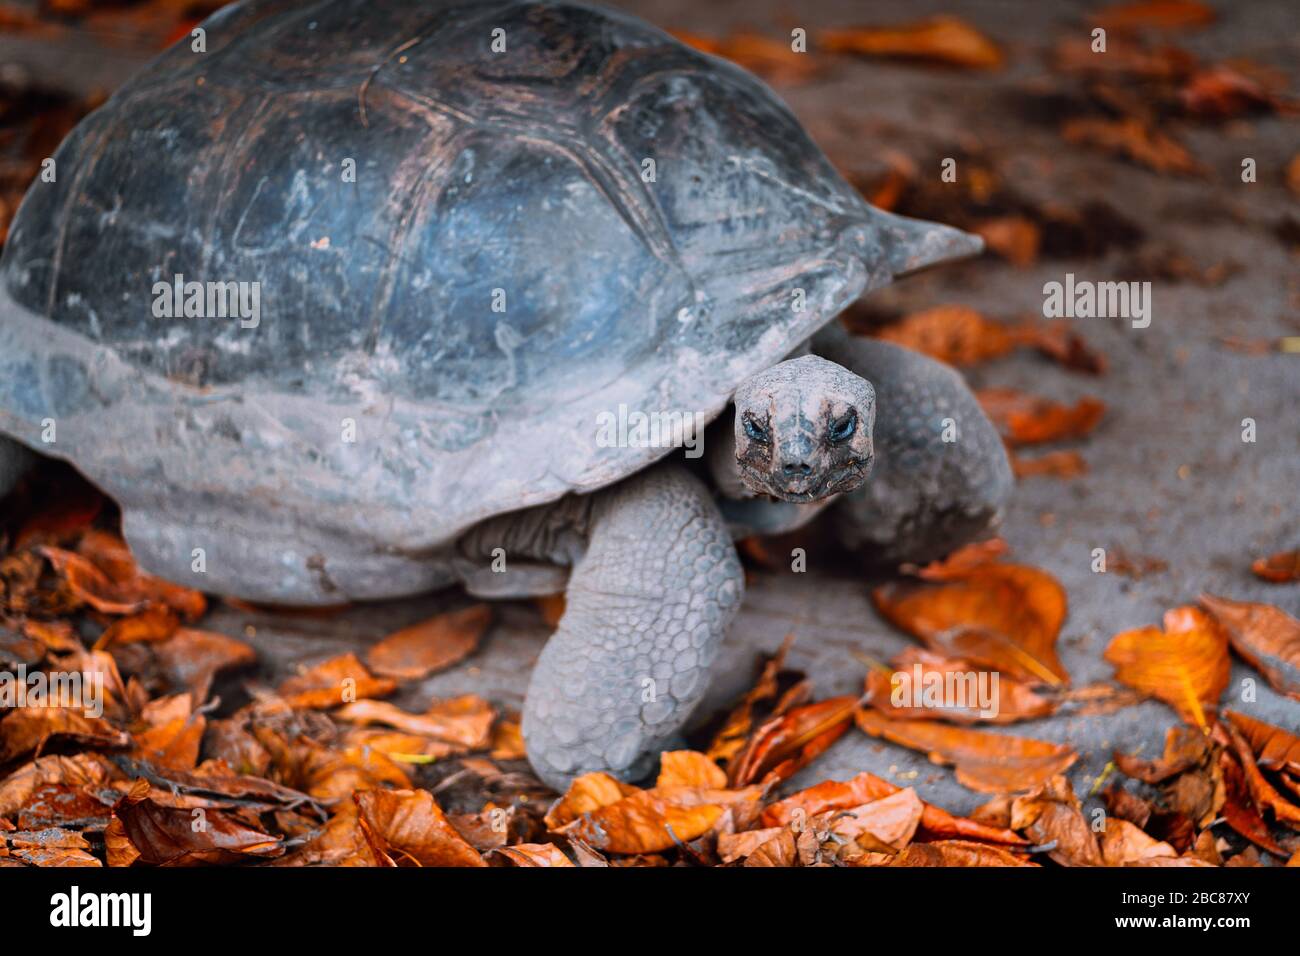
(483, 178)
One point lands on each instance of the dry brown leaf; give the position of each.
(190, 658)
(1266, 636)
(984, 761)
(922, 685)
(110, 553)
(1221, 92)
(773, 59)
(1051, 814)
(1283, 567)
(1160, 14)
(731, 737)
(408, 828)
(957, 853)
(954, 334)
(686, 768)
(334, 682)
(1053, 464)
(587, 793)
(1239, 810)
(1185, 748)
(1014, 238)
(1264, 795)
(891, 820)
(25, 730)
(957, 563)
(1273, 747)
(1025, 419)
(1133, 139)
(648, 821)
(533, 854)
(1186, 665)
(431, 645)
(784, 744)
(944, 40)
(1007, 616)
(160, 835)
(465, 721)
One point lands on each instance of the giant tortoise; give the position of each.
(352, 299)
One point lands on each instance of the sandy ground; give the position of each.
(1170, 477)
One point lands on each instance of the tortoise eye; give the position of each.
(755, 431)
(842, 430)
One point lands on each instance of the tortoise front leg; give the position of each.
(647, 606)
(941, 475)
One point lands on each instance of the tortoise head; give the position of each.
(803, 430)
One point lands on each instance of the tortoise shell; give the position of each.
(472, 228)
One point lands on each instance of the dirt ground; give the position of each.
(1169, 475)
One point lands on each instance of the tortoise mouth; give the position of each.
(804, 489)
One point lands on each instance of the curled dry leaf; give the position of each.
(686, 768)
(957, 853)
(1239, 810)
(647, 821)
(1133, 139)
(1160, 14)
(1050, 814)
(780, 747)
(431, 645)
(773, 59)
(1053, 464)
(333, 683)
(1266, 636)
(1185, 748)
(1264, 795)
(954, 334)
(1273, 747)
(110, 553)
(865, 787)
(891, 820)
(957, 563)
(49, 847)
(1006, 616)
(1025, 419)
(1185, 665)
(465, 721)
(153, 834)
(943, 40)
(533, 854)
(191, 658)
(408, 828)
(1283, 567)
(28, 729)
(984, 761)
(731, 736)
(949, 688)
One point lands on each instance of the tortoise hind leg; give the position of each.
(941, 475)
(15, 460)
(647, 606)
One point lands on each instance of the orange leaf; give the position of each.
(408, 828)
(534, 854)
(943, 39)
(957, 853)
(1262, 792)
(431, 645)
(784, 744)
(984, 761)
(1162, 14)
(1185, 665)
(929, 686)
(1266, 636)
(1133, 139)
(648, 821)
(957, 563)
(1283, 567)
(1027, 419)
(334, 682)
(1054, 464)
(686, 768)
(951, 333)
(1273, 747)
(465, 720)
(1005, 615)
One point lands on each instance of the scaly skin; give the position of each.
(647, 607)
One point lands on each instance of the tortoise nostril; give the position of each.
(796, 469)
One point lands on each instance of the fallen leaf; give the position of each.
(1015, 238)
(1161, 14)
(1280, 568)
(647, 821)
(957, 853)
(1221, 92)
(955, 334)
(533, 854)
(790, 741)
(1123, 844)
(465, 721)
(984, 761)
(686, 768)
(1273, 747)
(773, 59)
(168, 836)
(1133, 139)
(431, 645)
(1239, 810)
(1051, 814)
(28, 729)
(957, 563)
(1053, 464)
(110, 554)
(587, 793)
(891, 820)
(1266, 636)
(731, 737)
(190, 658)
(1185, 748)
(945, 40)
(1025, 419)
(1185, 665)
(1264, 795)
(922, 685)
(408, 828)
(333, 683)
(1007, 616)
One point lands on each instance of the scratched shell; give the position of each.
(596, 216)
